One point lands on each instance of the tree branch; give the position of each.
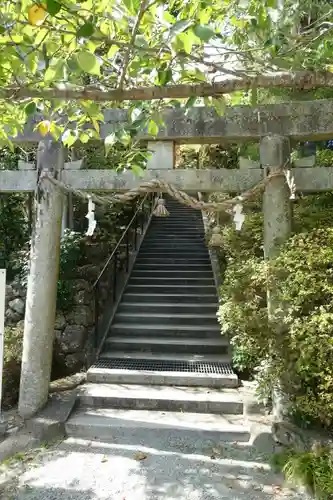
(302, 80)
(142, 10)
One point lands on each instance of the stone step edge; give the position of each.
(166, 341)
(173, 327)
(154, 419)
(146, 356)
(160, 392)
(164, 315)
(169, 304)
(192, 379)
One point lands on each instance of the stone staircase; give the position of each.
(165, 365)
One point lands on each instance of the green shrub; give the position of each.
(311, 469)
(71, 254)
(12, 363)
(302, 356)
(324, 158)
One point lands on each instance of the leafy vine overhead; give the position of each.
(72, 57)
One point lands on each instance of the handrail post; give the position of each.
(96, 315)
(115, 277)
(135, 232)
(127, 251)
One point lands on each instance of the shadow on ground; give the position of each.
(133, 468)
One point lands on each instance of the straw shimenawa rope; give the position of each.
(161, 186)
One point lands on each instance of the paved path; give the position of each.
(153, 469)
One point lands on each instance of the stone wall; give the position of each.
(73, 328)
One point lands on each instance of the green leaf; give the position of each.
(152, 128)
(272, 4)
(112, 51)
(84, 137)
(219, 105)
(30, 108)
(190, 102)
(2, 30)
(85, 31)
(140, 41)
(137, 170)
(180, 26)
(88, 62)
(168, 17)
(109, 141)
(208, 101)
(69, 138)
(53, 7)
(187, 40)
(164, 76)
(205, 33)
(55, 71)
(132, 6)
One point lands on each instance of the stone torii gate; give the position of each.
(274, 126)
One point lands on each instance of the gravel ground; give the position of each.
(152, 468)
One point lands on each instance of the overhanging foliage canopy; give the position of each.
(72, 57)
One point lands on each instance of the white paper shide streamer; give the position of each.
(91, 217)
(239, 217)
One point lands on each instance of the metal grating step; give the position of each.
(151, 365)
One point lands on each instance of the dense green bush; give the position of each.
(71, 256)
(302, 356)
(12, 363)
(312, 469)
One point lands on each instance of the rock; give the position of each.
(74, 362)
(80, 284)
(19, 289)
(80, 315)
(17, 305)
(289, 435)
(72, 339)
(83, 297)
(57, 334)
(12, 317)
(89, 272)
(60, 321)
(9, 294)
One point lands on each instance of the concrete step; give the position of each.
(164, 273)
(171, 267)
(180, 280)
(201, 321)
(166, 308)
(162, 398)
(174, 240)
(161, 357)
(117, 425)
(184, 242)
(190, 224)
(171, 247)
(169, 298)
(159, 345)
(173, 260)
(173, 252)
(151, 343)
(182, 212)
(172, 289)
(166, 330)
(130, 370)
(176, 234)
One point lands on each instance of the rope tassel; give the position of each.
(160, 210)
